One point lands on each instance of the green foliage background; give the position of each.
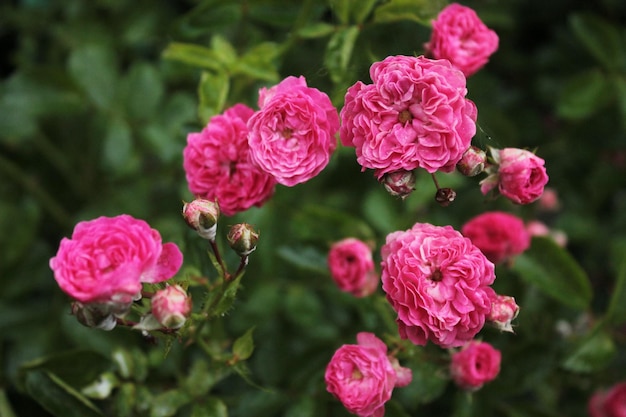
(96, 99)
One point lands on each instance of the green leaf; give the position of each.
(259, 62)
(125, 400)
(601, 38)
(616, 312)
(224, 51)
(326, 224)
(428, 384)
(341, 9)
(315, 30)
(361, 9)
(243, 346)
(211, 407)
(58, 398)
(339, 51)
(118, 146)
(194, 55)
(5, 406)
(228, 297)
(593, 353)
(93, 67)
(144, 90)
(584, 94)
(421, 11)
(202, 377)
(555, 272)
(306, 258)
(78, 368)
(168, 403)
(213, 92)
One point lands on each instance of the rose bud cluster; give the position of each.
(363, 376)
(351, 267)
(474, 365)
(105, 263)
(460, 36)
(438, 282)
(517, 174)
(499, 235)
(609, 403)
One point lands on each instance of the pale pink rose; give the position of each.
(218, 167)
(108, 258)
(352, 267)
(474, 365)
(499, 235)
(171, 306)
(438, 282)
(504, 310)
(611, 403)
(549, 200)
(538, 228)
(293, 134)
(362, 376)
(521, 175)
(460, 36)
(414, 115)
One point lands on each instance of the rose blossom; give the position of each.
(362, 376)
(352, 267)
(499, 235)
(460, 36)
(475, 364)
(521, 175)
(439, 284)
(108, 258)
(611, 403)
(415, 114)
(293, 134)
(217, 164)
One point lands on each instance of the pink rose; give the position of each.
(611, 403)
(462, 38)
(499, 235)
(352, 267)
(362, 377)
(108, 258)
(171, 306)
(217, 164)
(504, 310)
(520, 177)
(475, 364)
(415, 114)
(293, 134)
(538, 228)
(439, 284)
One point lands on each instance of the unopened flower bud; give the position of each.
(473, 162)
(445, 196)
(94, 315)
(171, 306)
(202, 215)
(504, 310)
(242, 238)
(399, 183)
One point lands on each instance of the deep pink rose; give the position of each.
(414, 115)
(462, 38)
(439, 284)
(521, 175)
(499, 235)
(217, 164)
(108, 258)
(293, 134)
(362, 377)
(475, 364)
(611, 403)
(352, 267)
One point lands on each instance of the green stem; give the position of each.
(56, 211)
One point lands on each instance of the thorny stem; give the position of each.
(243, 262)
(219, 259)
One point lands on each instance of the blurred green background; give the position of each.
(96, 99)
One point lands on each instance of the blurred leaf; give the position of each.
(77, 368)
(361, 9)
(194, 55)
(341, 9)
(22, 232)
(620, 91)
(379, 210)
(316, 30)
(339, 51)
(131, 363)
(118, 146)
(213, 92)
(144, 90)
(210, 407)
(58, 398)
(228, 298)
(202, 377)
(601, 38)
(306, 258)
(303, 407)
(243, 346)
(93, 67)
(102, 387)
(168, 403)
(326, 224)
(224, 51)
(259, 62)
(593, 353)
(584, 94)
(555, 272)
(421, 11)
(429, 382)
(5, 406)
(125, 400)
(616, 312)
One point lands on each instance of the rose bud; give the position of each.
(504, 310)
(171, 306)
(399, 183)
(242, 238)
(202, 215)
(472, 162)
